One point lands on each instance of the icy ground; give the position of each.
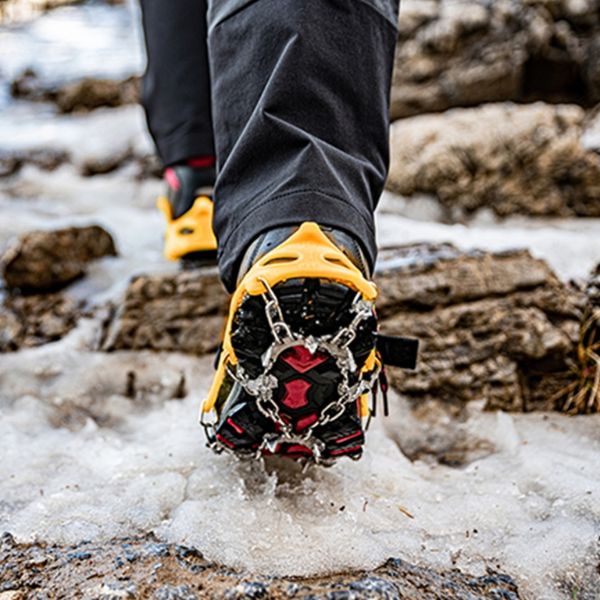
(529, 504)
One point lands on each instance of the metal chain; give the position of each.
(262, 387)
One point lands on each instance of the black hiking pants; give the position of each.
(292, 96)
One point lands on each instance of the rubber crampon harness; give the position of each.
(308, 253)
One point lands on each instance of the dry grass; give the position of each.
(582, 395)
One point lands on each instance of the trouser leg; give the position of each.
(176, 85)
(300, 97)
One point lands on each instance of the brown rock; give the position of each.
(46, 260)
(44, 158)
(141, 567)
(463, 53)
(90, 93)
(499, 327)
(495, 327)
(511, 159)
(106, 162)
(82, 95)
(27, 321)
(21, 10)
(182, 312)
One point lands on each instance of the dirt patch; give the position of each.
(144, 568)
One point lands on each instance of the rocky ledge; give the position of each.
(499, 327)
(496, 327)
(466, 52)
(537, 159)
(145, 568)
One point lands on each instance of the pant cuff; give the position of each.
(293, 208)
(181, 146)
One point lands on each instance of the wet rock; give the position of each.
(47, 260)
(28, 321)
(76, 96)
(181, 312)
(147, 578)
(463, 53)
(495, 327)
(536, 159)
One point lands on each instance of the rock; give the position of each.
(494, 327)
(466, 52)
(532, 159)
(182, 312)
(43, 158)
(9, 165)
(90, 93)
(106, 569)
(102, 164)
(47, 260)
(82, 95)
(27, 321)
(18, 10)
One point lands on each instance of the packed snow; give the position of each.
(527, 504)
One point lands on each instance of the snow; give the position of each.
(526, 501)
(71, 42)
(529, 506)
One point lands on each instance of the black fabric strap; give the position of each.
(398, 351)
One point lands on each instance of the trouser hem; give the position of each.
(181, 147)
(293, 208)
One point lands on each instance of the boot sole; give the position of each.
(306, 383)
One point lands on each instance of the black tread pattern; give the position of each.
(306, 384)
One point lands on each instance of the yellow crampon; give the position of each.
(191, 232)
(307, 253)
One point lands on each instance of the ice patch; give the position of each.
(530, 507)
(571, 246)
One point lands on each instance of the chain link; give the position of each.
(262, 387)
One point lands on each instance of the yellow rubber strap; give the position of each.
(191, 232)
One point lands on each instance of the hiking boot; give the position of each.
(188, 210)
(299, 356)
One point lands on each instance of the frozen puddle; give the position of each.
(531, 507)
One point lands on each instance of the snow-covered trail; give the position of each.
(529, 505)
